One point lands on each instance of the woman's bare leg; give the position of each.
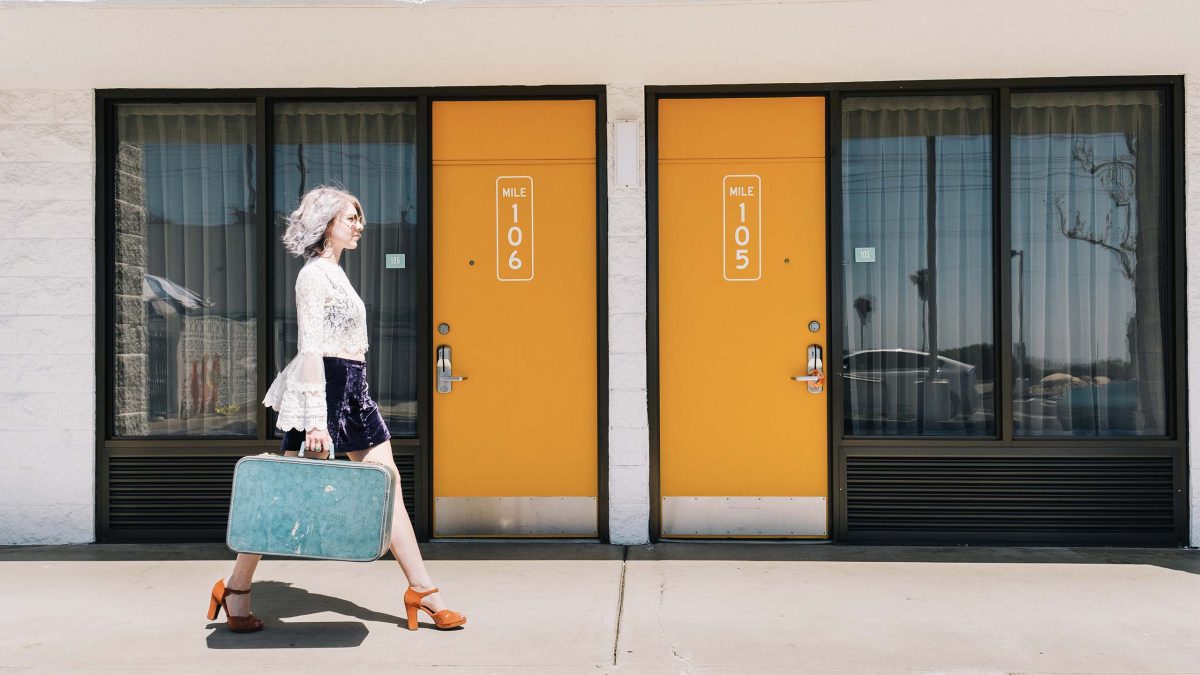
(404, 539)
(240, 578)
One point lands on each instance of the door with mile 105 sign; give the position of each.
(742, 318)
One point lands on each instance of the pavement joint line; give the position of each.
(620, 603)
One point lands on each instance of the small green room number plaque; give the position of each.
(864, 255)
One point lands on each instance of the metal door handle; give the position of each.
(444, 371)
(816, 371)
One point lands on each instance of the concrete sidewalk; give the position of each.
(667, 608)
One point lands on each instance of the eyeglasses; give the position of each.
(353, 220)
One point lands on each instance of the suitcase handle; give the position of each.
(303, 446)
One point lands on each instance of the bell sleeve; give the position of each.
(298, 393)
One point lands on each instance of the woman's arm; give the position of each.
(308, 379)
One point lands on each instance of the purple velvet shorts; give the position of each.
(354, 419)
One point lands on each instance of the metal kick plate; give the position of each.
(507, 516)
(745, 516)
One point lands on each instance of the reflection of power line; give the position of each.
(373, 156)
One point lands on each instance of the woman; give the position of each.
(322, 395)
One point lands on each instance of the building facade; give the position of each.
(909, 271)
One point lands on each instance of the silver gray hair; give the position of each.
(306, 227)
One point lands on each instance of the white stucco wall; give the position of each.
(628, 430)
(47, 307)
(63, 50)
(1191, 86)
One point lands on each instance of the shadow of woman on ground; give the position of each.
(279, 600)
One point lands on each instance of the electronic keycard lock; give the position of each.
(816, 371)
(445, 376)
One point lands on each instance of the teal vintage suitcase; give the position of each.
(310, 508)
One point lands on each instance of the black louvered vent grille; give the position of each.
(408, 474)
(1009, 494)
(188, 494)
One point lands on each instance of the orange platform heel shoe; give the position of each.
(237, 624)
(444, 619)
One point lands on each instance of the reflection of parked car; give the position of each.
(886, 384)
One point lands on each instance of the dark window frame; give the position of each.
(1175, 346)
(1004, 443)
(273, 254)
(994, 102)
(418, 449)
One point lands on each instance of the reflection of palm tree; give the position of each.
(920, 279)
(863, 305)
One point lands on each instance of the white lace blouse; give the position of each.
(331, 319)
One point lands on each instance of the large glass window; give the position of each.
(370, 150)
(184, 324)
(917, 194)
(1088, 275)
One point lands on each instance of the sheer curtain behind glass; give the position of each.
(184, 332)
(917, 265)
(1088, 266)
(370, 150)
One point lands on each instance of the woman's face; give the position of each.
(346, 229)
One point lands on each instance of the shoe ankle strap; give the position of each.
(424, 593)
(230, 591)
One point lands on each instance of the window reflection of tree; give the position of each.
(1101, 394)
(1118, 180)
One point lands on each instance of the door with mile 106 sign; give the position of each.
(514, 319)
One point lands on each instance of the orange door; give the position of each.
(514, 311)
(742, 313)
